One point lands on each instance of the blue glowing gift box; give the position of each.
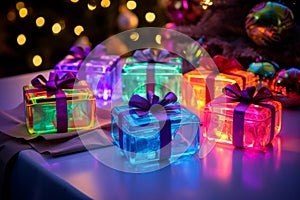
(58, 104)
(72, 61)
(151, 129)
(150, 70)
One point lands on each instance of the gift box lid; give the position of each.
(133, 123)
(80, 91)
(174, 65)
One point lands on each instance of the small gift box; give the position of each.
(102, 74)
(244, 118)
(72, 62)
(58, 104)
(151, 129)
(211, 77)
(158, 72)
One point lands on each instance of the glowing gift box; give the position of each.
(58, 104)
(151, 129)
(147, 70)
(72, 62)
(208, 81)
(102, 74)
(244, 118)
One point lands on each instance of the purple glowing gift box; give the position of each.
(72, 61)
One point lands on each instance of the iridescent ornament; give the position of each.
(266, 22)
(287, 87)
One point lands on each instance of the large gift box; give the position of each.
(149, 70)
(207, 81)
(151, 129)
(58, 104)
(245, 118)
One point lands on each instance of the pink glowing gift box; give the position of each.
(245, 118)
(211, 77)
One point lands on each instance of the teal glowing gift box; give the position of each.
(58, 104)
(149, 70)
(148, 130)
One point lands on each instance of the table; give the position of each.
(225, 173)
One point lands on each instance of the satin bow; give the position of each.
(222, 64)
(148, 55)
(143, 106)
(247, 95)
(54, 83)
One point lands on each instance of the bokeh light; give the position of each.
(150, 17)
(23, 12)
(37, 60)
(21, 39)
(105, 3)
(78, 30)
(131, 5)
(56, 28)
(20, 5)
(40, 21)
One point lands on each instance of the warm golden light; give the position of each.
(158, 39)
(105, 3)
(131, 5)
(23, 12)
(56, 28)
(150, 17)
(37, 60)
(62, 24)
(134, 36)
(40, 21)
(74, 1)
(20, 5)
(11, 16)
(21, 39)
(78, 30)
(92, 6)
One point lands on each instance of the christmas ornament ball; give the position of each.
(266, 22)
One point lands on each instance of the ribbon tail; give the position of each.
(61, 112)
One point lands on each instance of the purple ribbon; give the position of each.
(54, 86)
(148, 55)
(142, 107)
(246, 97)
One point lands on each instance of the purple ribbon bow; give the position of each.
(141, 106)
(54, 86)
(148, 55)
(246, 97)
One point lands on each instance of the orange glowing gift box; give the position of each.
(211, 77)
(59, 104)
(245, 118)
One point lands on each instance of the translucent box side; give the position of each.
(141, 139)
(41, 110)
(102, 75)
(167, 78)
(198, 81)
(218, 123)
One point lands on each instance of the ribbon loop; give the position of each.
(148, 55)
(247, 95)
(143, 106)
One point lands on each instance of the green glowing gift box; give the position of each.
(150, 70)
(58, 104)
